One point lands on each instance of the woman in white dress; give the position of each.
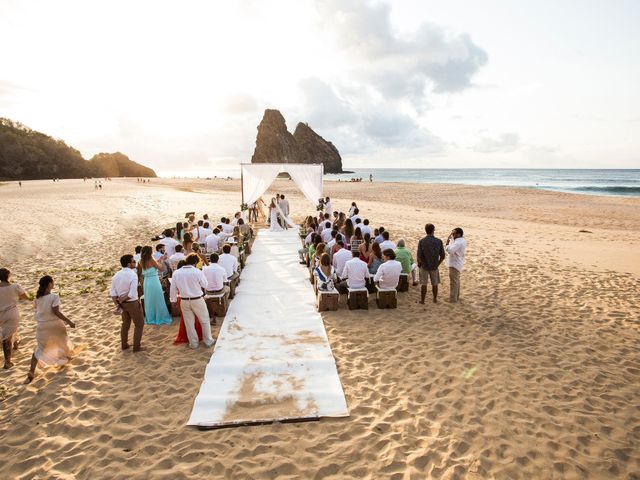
(53, 345)
(273, 215)
(10, 294)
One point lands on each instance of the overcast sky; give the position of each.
(181, 86)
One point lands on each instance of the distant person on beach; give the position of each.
(370, 178)
(10, 295)
(456, 247)
(20, 184)
(429, 256)
(406, 259)
(188, 283)
(388, 274)
(124, 293)
(53, 346)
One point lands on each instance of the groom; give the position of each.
(284, 206)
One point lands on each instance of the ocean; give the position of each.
(585, 181)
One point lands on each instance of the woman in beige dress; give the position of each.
(10, 294)
(53, 345)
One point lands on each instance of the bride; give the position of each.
(276, 215)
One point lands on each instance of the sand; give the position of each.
(534, 374)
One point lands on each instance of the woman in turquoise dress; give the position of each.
(155, 308)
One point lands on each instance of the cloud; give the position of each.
(240, 104)
(322, 105)
(505, 143)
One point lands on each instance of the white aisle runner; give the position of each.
(272, 359)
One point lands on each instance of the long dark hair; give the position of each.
(358, 233)
(367, 241)
(179, 229)
(376, 250)
(43, 283)
(145, 256)
(348, 227)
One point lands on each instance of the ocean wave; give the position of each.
(615, 190)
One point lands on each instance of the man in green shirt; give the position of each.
(406, 259)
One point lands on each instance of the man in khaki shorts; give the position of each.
(429, 257)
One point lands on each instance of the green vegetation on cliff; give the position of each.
(28, 155)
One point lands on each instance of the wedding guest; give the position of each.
(328, 206)
(340, 221)
(429, 257)
(169, 242)
(188, 283)
(325, 273)
(226, 227)
(365, 228)
(206, 231)
(341, 257)
(386, 243)
(161, 258)
(331, 243)
(53, 346)
(355, 217)
(229, 263)
(375, 260)
(317, 239)
(365, 248)
(334, 244)
(315, 259)
(182, 336)
(187, 243)
(347, 231)
(456, 247)
(354, 274)
(176, 258)
(236, 217)
(246, 233)
(124, 293)
(203, 259)
(326, 232)
(155, 308)
(352, 209)
(378, 238)
(216, 276)
(213, 241)
(138, 250)
(388, 274)
(406, 259)
(10, 295)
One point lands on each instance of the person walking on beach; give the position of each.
(53, 346)
(429, 256)
(456, 247)
(10, 294)
(124, 293)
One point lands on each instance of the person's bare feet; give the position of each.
(30, 377)
(16, 344)
(140, 349)
(126, 347)
(435, 300)
(415, 284)
(8, 365)
(421, 302)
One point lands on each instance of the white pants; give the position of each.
(190, 310)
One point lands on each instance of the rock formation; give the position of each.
(119, 165)
(275, 144)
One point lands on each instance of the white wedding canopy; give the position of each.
(257, 177)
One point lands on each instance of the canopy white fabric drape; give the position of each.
(256, 178)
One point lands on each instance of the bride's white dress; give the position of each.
(275, 226)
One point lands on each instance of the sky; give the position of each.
(182, 86)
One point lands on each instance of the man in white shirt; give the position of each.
(161, 257)
(229, 263)
(326, 233)
(386, 243)
(355, 216)
(455, 247)
(365, 228)
(169, 242)
(354, 274)
(213, 241)
(332, 242)
(340, 258)
(206, 230)
(328, 206)
(124, 293)
(388, 274)
(188, 283)
(236, 217)
(227, 229)
(216, 276)
(176, 258)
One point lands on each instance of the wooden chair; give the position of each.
(327, 300)
(232, 286)
(403, 283)
(217, 304)
(358, 298)
(386, 298)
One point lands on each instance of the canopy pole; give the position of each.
(242, 184)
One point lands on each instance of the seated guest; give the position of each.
(406, 259)
(304, 251)
(379, 238)
(325, 273)
(169, 242)
(138, 250)
(236, 217)
(386, 243)
(375, 260)
(340, 257)
(354, 274)
(365, 228)
(317, 239)
(203, 259)
(229, 263)
(198, 231)
(246, 232)
(355, 216)
(326, 232)
(227, 228)
(332, 242)
(213, 241)
(388, 274)
(216, 276)
(206, 231)
(124, 293)
(188, 283)
(338, 223)
(356, 240)
(176, 257)
(365, 249)
(347, 231)
(187, 243)
(315, 260)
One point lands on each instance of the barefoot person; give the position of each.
(429, 256)
(53, 346)
(124, 293)
(456, 247)
(10, 294)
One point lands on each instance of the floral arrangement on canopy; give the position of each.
(320, 205)
(244, 206)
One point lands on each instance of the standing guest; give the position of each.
(352, 209)
(187, 284)
(176, 258)
(338, 223)
(429, 256)
(161, 258)
(406, 259)
(187, 243)
(375, 260)
(155, 308)
(138, 250)
(456, 247)
(229, 263)
(379, 238)
(53, 346)
(10, 294)
(328, 206)
(355, 217)
(354, 274)
(124, 293)
(179, 231)
(388, 274)
(216, 276)
(182, 329)
(236, 217)
(169, 242)
(386, 243)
